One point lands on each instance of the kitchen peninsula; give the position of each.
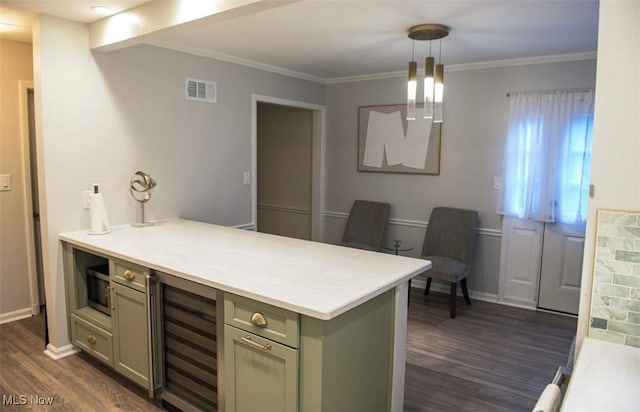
(295, 324)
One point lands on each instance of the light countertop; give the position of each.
(606, 377)
(310, 278)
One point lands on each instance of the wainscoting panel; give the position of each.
(286, 221)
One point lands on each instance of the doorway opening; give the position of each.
(32, 210)
(287, 167)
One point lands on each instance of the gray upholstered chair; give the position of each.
(449, 244)
(365, 226)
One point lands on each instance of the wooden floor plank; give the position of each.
(76, 383)
(489, 358)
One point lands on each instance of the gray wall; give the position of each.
(472, 151)
(101, 117)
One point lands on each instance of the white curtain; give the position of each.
(547, 157)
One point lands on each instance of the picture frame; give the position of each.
(389, 143)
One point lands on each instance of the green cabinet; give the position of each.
(130, 348)
(115, 331)
(264, 358)
(261, 351)
(261, 375)
(278, 360)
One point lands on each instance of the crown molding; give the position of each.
(243, 62)
(556, 58)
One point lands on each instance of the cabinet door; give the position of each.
(130, 340)
(261, 375)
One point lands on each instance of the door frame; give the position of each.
(23, 91)
(318, 145)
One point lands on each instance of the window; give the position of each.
(575, 171)
(548, 156)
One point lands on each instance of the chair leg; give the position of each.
(465, 292)
(452, 300)
(426, 289)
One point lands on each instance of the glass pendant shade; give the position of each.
(428, 87)
(412, 86)
(438, 94)
(433, 74)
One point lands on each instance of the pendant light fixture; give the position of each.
(412, 86)
(438, 89)
(429, 83)
(433, 73)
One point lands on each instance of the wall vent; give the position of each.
(200, 90)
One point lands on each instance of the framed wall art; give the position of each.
(388, 142)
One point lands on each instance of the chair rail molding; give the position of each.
(413, 223)
(284, 209)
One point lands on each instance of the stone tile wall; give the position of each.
(615, 306)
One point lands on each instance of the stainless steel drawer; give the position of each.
(92, 339)
(268, 321)
(128, 274)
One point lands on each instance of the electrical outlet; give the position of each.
(246, 178)
(86, 199)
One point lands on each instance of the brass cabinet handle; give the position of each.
(247, 339)
(258, 319)
(91, 339)
(128, 275)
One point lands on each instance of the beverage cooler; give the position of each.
(185, 346)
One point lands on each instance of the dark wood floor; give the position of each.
(490, 358)
(76, 383)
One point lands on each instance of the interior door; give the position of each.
(561, 267)
(284, 170)
(520, 261)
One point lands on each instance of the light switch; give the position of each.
(86, 199)
(497, 182)
(246, 178)
(5, 183)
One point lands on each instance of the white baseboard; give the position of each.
(35, 309)
(62, 352)
(15, 315)
(516, 303)
(245, 226)
(442, 288)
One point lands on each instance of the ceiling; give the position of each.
(16, 15)
(329, 39)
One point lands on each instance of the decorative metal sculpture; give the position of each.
(141, 185)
